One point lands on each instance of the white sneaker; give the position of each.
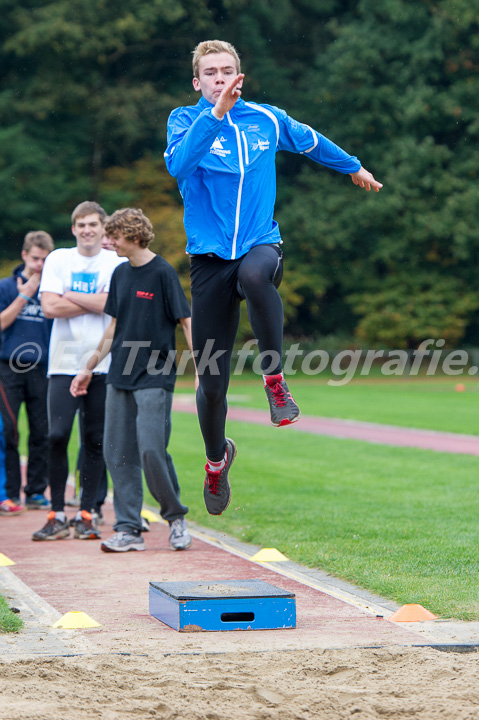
(122, 542)
(180, 538)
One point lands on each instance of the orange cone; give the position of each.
(412, 613)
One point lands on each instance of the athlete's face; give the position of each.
(215, 70)
(33, 260)
(88, 231)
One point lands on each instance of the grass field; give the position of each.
(399, 522)
(9, 621)
(420, 403)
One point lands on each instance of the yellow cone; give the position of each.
(412, 613)
(4, 560)
(269, 555)
(75, 619)
(150, 516)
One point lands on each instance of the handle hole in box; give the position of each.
(237, 617)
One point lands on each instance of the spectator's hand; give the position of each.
(365, 179)
(29, 287)
(79, 384)
(229, 95)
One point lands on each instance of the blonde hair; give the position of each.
(207, 47)
(88, 208)
(132, 223)
(38, 238)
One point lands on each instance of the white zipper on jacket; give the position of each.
(240, 189)
(245, 143)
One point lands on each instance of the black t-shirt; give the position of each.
(147, 302)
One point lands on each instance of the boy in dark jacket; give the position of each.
(25, 335)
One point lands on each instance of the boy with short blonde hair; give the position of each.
(213, 47)
(222, 152)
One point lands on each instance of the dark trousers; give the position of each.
(217, 288)
(62, 407)
(28, 385)
(137, 432)
(102, 491)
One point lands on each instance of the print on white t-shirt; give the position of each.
(74, 339)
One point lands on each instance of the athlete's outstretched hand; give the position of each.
(365, 179)
(229, 95)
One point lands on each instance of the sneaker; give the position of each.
(55, 529)
(75, 501)
(284, 410)
(37, 502)
(217, 489)
(180, 538)
(10, 508)
(98, 517)
(86, 529)
(145, 524)
(123, 541)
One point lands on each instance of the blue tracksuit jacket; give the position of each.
(226, 171)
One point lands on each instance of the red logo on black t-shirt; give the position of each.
(144, 295)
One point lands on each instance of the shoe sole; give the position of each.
(90, 536)
(286, 422)
(232, 461)
(184, 547)
(57, 536)
(107, 549)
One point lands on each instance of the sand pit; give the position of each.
(339, 662)
(327, 684)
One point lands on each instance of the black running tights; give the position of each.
(217, 288)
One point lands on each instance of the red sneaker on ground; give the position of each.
(9, 508)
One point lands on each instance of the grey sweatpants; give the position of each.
(137, 432)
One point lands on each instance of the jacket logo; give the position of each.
(218, 149)
(261, 145)
(144, 295)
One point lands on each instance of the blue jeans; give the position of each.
(137, 432)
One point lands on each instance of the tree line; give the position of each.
(87, 86)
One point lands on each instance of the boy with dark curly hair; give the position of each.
(146, 302)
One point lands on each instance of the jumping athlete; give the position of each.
(222, 152)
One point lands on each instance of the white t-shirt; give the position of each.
(73, 339)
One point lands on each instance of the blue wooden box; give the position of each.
(222, 605)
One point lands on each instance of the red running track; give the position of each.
(355, 430)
